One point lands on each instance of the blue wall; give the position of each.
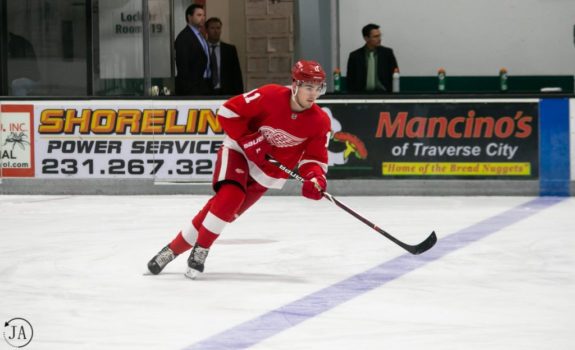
(554, 147)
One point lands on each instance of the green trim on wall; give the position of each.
(483, 84)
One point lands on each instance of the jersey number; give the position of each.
(251, 95)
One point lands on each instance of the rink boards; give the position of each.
(418, 146)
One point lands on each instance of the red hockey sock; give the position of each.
(201, 215)
(225, 204)
(179, 244)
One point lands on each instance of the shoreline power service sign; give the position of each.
(102, 140)
(112, 139)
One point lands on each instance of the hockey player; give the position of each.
(283, 122)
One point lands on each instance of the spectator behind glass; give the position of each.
(192, 56)
(370, 68)
(225, 65)
(23, 73)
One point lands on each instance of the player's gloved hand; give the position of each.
(314, 185)
(255, 147)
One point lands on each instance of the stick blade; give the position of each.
(425, 245)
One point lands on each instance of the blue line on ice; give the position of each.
(276, 321)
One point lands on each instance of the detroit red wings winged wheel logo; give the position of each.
(280, 138)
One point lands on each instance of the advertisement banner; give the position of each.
(126, 139)
(434, 139)
(178, 140)
(16, 141)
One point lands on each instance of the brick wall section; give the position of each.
(269, 46)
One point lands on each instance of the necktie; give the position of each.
(206, 50)
(370, 82)
(214, 66)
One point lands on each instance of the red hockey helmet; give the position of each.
(308, 71)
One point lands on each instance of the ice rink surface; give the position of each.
(292, 274)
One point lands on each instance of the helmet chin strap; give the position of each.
(293, 95)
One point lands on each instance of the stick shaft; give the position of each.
(413, 249)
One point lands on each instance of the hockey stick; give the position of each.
(413, 249)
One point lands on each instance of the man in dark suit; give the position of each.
(225, 67)
(370, 68)
(192, 56)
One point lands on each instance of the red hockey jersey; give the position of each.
(298, 137)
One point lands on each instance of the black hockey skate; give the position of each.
(196, 261)
(158, 262)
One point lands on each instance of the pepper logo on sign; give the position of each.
(108, 121)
